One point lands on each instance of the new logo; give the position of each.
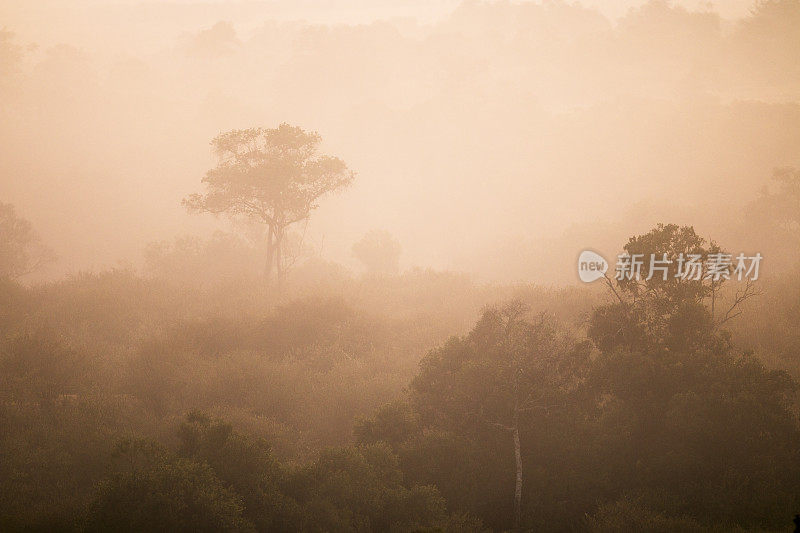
(591, 266)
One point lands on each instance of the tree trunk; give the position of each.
(279, 254)
(518, 486)
(270, 255)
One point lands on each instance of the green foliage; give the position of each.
(493, 384)
(473, 473)
(393, 424)
(680, 413)
(665, 292)
(51, 459)
(222, 263)
(505, 365)
(179, 495)
(663, 426)
(245, 464)
(716, 429)
(624, 515)
(361, 489)
(38, 367)
(301, 327)
(673, 311)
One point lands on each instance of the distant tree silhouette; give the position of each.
(218, 40)
(670, 310)
(379, 252)
(10, 56)
(21, 250)
(274, 176)
(780, 205)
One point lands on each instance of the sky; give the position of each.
(498, 138)
(76, 21)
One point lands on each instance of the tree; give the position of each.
(11, 56)
(273, 176)
(39, 367)
(21, 250)
(692, 430)
(178, 495)
(773, 219)
(243, 463)
(379, 252)
(669, 309)
(700, 433)
(502, 373)
(393, 423)
(783, 204)
(361, 489)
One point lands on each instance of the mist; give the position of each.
(494, 124)
(358, 265)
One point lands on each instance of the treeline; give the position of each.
(164, 403)
(96, 360)
(219, 480)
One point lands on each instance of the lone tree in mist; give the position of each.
(379, 252)
(274, 176)
(21, 251)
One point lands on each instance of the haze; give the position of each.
(481, 134)
(359, 266)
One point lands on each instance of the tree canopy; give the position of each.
(275, 176)
(21, 250)
(379, 252)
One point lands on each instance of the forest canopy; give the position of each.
(376, 266)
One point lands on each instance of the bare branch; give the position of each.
(750, 290)
(613, 289)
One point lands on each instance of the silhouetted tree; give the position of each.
(504, 370)
(275, 176)
(379, 252)
(775, 216)
(21, 250)
(679, 413)
(11, 55)
(669, 302)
